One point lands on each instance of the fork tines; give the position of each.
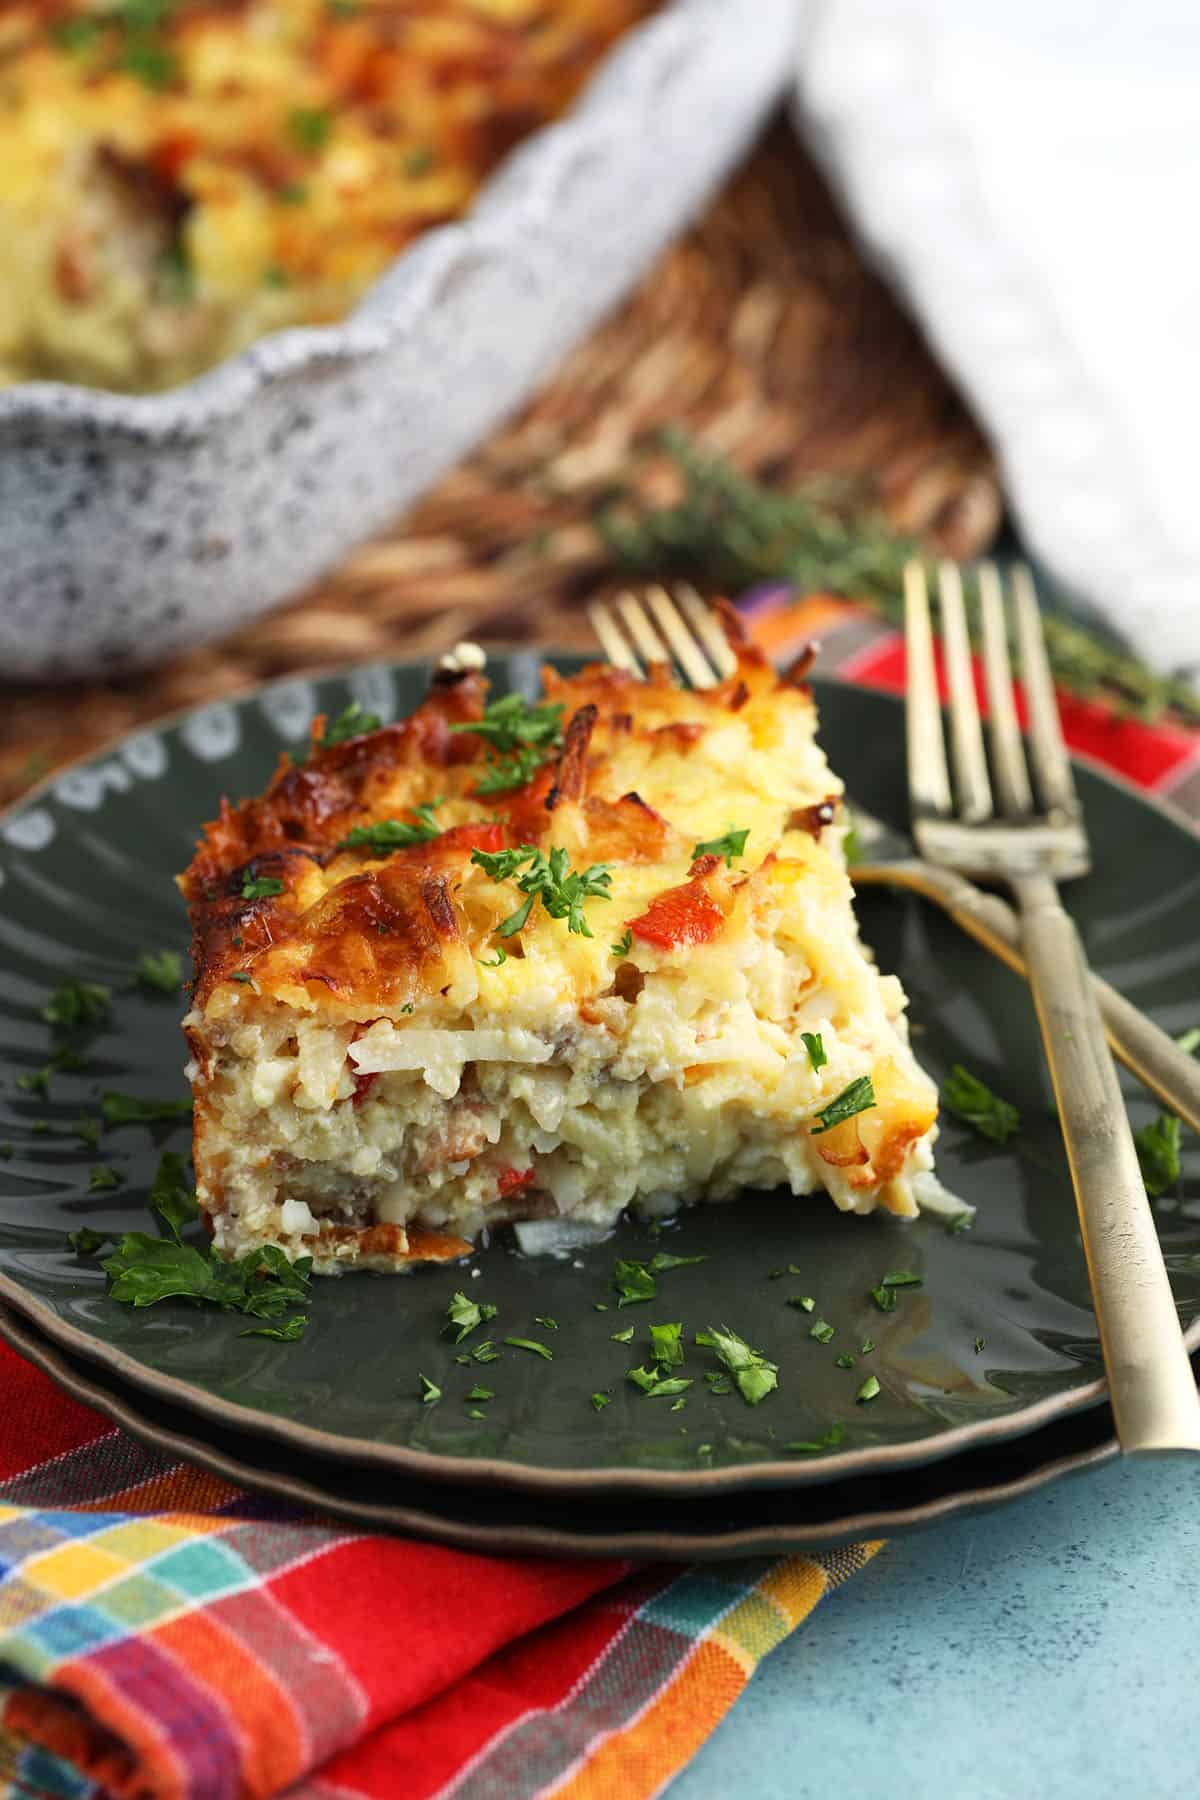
(1005, 787)
(657, 626)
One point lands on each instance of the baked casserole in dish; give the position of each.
(180, 177)
(513, 961)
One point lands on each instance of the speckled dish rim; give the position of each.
(515, 201)
(500, 1472)
(543, 1540)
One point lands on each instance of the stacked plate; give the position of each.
(989, 1373)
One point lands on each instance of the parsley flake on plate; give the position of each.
(102, 1179)
(159, 971)
(129, 1109)
(898, 1278)
(666, 1344)
(86, 1242)
(972, 1101)
(804, 1302)
(868, 1390)
(884, 1298)
(1157, 1147)
(732, 844)
(463, 1315)
(481, 1393)
(622, 1337)
(830, 1441)
(287, 1333)
(657, 1386)
(822, 1331)
(76, 1005)
(546, 1323)
(844, 1361)
(530, 1344)
(171, 1197)
(858, 1097)
(600, 1401)
(431, 1393)
(753, 1375)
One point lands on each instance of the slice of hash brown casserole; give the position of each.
(659, 995)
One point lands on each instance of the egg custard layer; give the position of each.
(512, 960)
(178, 177)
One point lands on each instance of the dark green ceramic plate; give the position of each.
(779, 1521)
(999, 1339)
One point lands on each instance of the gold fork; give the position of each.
(1019, 821)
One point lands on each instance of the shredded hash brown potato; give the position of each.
(380, 1072)
(178, 177)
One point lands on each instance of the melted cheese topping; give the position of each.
(176, 181)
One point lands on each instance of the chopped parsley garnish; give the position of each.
(635, 1281)
(856, 1098)
(970, 1100)
(546, 1324)
(804, 1302)
(287, 1333)
(260, 887)
(144, 1270)
(353, 721)
(816, 1049)
(530, 1344)
(430, 1391)
(76, 1005)
(623, 945)
(486, 1352)
(600, 1401)
(898, 1278)
(495, 962)
(844, 1361)
(884, 1298)
(88, 1131)
(622, 1337)
(310, 126)
(666, 1344)
(678, 1405)
(718, 1382)
(822, 1331)
(980, 1344)
(1157, 1148)
(520, 737)
(481, 1393)
(732, 844)
(102, 1179)
(830, 1441)
(128, 1109)
(548, 878)
(463, 1315)
(656, 1385)
(85, 1241)
(866, 1347)
(241, 975)
(754, 1375)
(159, 970)
(37, 1081)
(171, 1197)
(869, 1389)
(395, 834)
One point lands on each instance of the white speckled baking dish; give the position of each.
(133, 527)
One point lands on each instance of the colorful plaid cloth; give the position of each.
(163, 1635)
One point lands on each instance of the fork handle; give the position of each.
(1150, 1379)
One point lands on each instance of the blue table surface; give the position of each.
(1046, 1651)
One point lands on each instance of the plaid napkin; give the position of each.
(166, 1637)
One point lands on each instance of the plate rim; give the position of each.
(543, 1540)
(502, 1472)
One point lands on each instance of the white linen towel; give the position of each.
(1029, 176)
